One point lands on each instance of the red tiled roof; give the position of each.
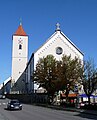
(20, 31)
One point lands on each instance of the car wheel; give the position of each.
(20, 108)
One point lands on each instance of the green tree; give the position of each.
(89, 79)
(46, 74)
(56, 75)
(72, 70)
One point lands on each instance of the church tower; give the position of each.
(19, 53)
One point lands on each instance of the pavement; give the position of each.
(2, 117)
(72, 109)
(84, 111)
(92, 112)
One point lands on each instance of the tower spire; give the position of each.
(20, 21)
(20, 31)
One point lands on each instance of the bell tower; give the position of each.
(19, 53)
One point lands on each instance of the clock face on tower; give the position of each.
(59, 50)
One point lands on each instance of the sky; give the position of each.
(77, 18)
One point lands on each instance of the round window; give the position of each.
(59, 50)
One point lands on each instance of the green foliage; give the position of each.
(56, 75)
(72, 71)
(46, 73)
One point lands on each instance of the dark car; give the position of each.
(14, 105)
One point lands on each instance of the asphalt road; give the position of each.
(31, 112)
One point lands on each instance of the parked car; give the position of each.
(14, 105)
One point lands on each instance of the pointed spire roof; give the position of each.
(20, 31)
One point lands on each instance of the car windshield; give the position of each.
(14, 101)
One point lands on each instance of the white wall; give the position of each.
(58, 40)
(19, 56)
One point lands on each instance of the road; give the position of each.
(31, 112)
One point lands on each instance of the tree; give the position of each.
(58, 75)
(89, 79)
(46, 74)
(72, 70)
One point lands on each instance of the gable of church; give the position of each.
(58, 45)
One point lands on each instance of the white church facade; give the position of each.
(57, 45)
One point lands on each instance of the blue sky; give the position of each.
(77, 18)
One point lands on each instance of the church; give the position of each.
(22, 69)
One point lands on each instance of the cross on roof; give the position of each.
(57, 27)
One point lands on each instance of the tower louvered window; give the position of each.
(20, 46)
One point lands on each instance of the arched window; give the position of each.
(20, 46)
